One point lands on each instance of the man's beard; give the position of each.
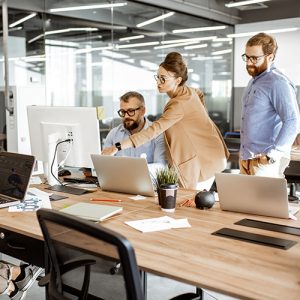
(129, 125)
(255, 71)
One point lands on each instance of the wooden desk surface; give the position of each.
(193, 255)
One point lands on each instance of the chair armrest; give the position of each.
(68, 266)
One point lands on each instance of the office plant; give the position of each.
(166, 180)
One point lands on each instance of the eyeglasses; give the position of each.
(162, 79)
(253, 59)
(130, 112)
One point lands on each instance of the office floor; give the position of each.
(158, 289)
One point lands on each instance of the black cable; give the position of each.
(51, 169)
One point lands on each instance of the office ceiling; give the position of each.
(110, 26)
(216, 10)
(125, 18)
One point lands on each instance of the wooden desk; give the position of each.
(193, 255)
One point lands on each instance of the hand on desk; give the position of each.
(109, 151)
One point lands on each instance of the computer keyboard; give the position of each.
(88, 180)
(67, 189)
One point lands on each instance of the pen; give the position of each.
(106, 200)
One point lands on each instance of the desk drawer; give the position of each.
(22, 247)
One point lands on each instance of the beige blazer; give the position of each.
(195, 146)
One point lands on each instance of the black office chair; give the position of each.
(233, 143)
(81, 256)
(292, 175)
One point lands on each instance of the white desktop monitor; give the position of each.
(53, 124)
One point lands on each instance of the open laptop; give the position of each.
(15, 173)
(257, 195)
(128, 175)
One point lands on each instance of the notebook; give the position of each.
(92, 212)
(122, 174)
(257, 195)
(15, 173)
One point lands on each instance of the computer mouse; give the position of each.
(64, 172)
(204, 199)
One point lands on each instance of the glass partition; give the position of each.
(90, 53)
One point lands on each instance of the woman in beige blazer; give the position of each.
(194, 144)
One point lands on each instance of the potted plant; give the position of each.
(166, 182)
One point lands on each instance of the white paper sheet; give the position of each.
(137, 197)
(158, 224)
(34, 200)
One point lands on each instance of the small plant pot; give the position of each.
(167, 197)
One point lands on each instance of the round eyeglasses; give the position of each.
(162, 79)
(130, 112)
(253, 59)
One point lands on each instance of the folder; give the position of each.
(92, 212)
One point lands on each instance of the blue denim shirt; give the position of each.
(270, 115)
(154, 151)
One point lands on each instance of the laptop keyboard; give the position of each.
(8, 202)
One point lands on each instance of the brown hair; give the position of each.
(268, 43)
(174, 63)
(131, 94)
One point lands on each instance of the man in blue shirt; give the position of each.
(270, 113)
(132, 111)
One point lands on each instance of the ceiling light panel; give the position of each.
(174, 45)
(241, 3)
(156, 19)
(189, 40)
(86, 7)
(199, 29)
(51, 32)
(136, 45)
(225, 51)
(243, 34)
(195, 46)
(22, 20)
(134, 37)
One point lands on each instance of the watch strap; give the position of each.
(271, 160)
(118, 146)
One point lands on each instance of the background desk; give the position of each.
(193, 255)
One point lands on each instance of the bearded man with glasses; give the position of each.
(270, 113)
(132, 111)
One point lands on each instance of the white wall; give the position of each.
(288, 55)
(287, 59)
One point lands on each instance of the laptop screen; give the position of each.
(15, 172)
(123, 174)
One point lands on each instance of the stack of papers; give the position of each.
(34, 200)
(158, 224)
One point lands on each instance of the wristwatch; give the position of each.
(118, 146)
(271, 160)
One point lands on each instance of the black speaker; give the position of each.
(204, 199)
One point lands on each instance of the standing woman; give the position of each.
(193, 142)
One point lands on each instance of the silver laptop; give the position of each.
(257, 195)
(15, 173)
(128, 175)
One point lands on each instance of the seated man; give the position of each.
(132, 111)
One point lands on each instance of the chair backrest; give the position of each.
(82, 256)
